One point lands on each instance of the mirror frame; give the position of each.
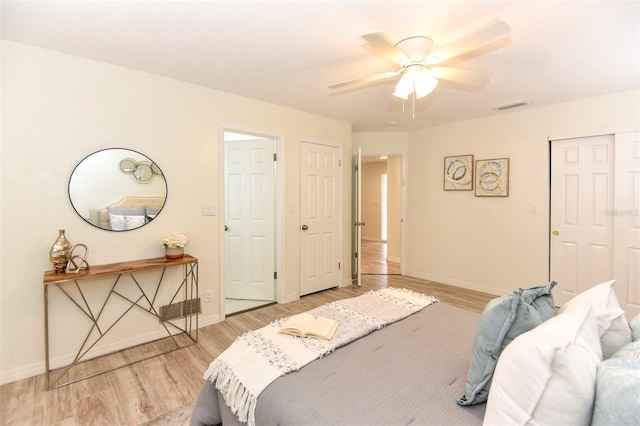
(110, 185)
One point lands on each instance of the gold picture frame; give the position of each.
(458, 173)
(492, 178)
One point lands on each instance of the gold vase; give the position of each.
(60, 251)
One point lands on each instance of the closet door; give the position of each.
(626, 219)
(581, 228)
(595, 216)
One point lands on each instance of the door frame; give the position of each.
(404, 268)
(279, 212)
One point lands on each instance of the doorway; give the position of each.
(249, 221)
(381, 212)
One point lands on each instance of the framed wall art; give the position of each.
(458, 173)
(492, 178)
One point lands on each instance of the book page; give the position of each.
(298, 323)
(323, 327)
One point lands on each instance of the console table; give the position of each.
(178, 315)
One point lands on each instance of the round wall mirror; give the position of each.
(117, 189)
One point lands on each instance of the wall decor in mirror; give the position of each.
(105, 189)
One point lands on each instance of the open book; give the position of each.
(309, 326)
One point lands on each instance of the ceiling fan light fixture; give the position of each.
(418, 80)
(424, 83)
(405, 86)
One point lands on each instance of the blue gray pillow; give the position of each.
(635, 328)
(618, 388)
(503, 319)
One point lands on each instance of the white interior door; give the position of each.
(595, 219)
(249, 219)
(626, 219)
(582, 197)
(319, 216)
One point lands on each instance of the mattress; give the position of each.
(410, 372)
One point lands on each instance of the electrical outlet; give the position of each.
(208, 296)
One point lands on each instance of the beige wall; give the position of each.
(56, 109)
(496, 244)
(394, 208)
(372, 199)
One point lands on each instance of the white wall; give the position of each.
(56, 109)
(495, 244)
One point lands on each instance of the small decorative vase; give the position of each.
(174, 253)
(60, 251)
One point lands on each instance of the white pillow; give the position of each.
(547, 376)
(116, 222)
(124, 223)
(133, 222)
(612, 324)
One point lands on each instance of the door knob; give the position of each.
(305, 227)
(555, 233)
(226, 228)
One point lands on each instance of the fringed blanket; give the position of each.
(259, 357)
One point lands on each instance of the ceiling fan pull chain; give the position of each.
(413, 106)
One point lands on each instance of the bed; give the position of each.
(130, 212)
(519, 362)
(410, 372)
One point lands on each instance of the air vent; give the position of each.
(180, 309)
(514, 104)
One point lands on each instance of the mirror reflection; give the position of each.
(117, 189)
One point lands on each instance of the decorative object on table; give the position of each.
(458, 173)
(60, 251)
(174, 245)
(492, 178)
(76, 262)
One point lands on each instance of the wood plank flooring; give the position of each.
(374, 259)
(141, 392)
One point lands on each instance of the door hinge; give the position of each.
(275, 275)
(275, 157)
(339, 265)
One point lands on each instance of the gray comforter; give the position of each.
(411, 372)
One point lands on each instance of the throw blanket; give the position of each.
(259, 357)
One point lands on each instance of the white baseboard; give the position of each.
(36, 368)
(457, 283)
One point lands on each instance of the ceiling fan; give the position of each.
(420, 68)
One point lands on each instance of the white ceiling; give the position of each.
(287, 52)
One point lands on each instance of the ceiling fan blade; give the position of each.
(457, 75)
(365, 79)
(386, 48)
(470, 42)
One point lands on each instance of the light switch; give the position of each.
(208, 209)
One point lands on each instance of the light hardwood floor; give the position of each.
(141, 392)
(374, 259)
